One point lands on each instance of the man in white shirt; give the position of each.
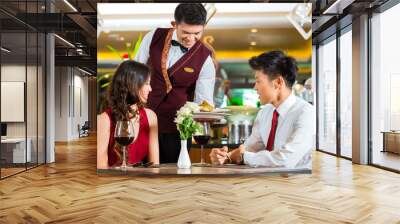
(182, 70)
(283, 132)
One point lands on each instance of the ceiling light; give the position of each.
(226, 22)
(253, 7)
(70, 5)
(303, 12)
(300, 17)
(337, 7)
(119, 17)
(253, 43)
(64, 40)
(86, 72)
(5, 50)
(254, 30)
(210, 9)
(169, 8)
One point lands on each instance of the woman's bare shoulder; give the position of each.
(151, 116)
(102, 115)
(103, 118)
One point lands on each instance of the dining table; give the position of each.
(170, 169)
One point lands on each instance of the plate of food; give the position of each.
(206, 106)
(208, 109)
(209, 113)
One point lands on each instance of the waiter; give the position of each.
(182, 70)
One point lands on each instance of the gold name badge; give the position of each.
(187, 69)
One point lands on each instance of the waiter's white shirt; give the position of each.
(205, 83)
(294, 137)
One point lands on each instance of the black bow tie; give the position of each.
(176, 43)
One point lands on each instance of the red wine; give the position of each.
(202, 139)
(124, 141)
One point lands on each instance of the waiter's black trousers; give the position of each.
(170, 147)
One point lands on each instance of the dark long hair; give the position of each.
(124, 89)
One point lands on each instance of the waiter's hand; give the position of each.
(218, 155)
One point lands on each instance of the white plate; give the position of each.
(211, 113)
(207, 117)
(221, 110)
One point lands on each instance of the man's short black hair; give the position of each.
(191, 13)
(275, 64)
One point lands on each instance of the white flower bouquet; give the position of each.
(184, 120)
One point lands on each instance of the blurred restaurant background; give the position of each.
(235, 31)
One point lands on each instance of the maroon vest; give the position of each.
(182, 75)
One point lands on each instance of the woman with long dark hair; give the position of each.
(127, 96)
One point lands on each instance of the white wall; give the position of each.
(33, 127)
(71, 93)
(61, 103)
(12, 73)
(81, 105)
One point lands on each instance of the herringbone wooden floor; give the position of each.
(70, 191)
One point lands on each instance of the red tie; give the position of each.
(271, 137)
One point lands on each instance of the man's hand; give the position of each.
(236, 155)
(218, 155)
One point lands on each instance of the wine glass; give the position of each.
(124, 135)
(202, 137)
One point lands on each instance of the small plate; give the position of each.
(221, 110)
(211, 114)
(207, 118)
